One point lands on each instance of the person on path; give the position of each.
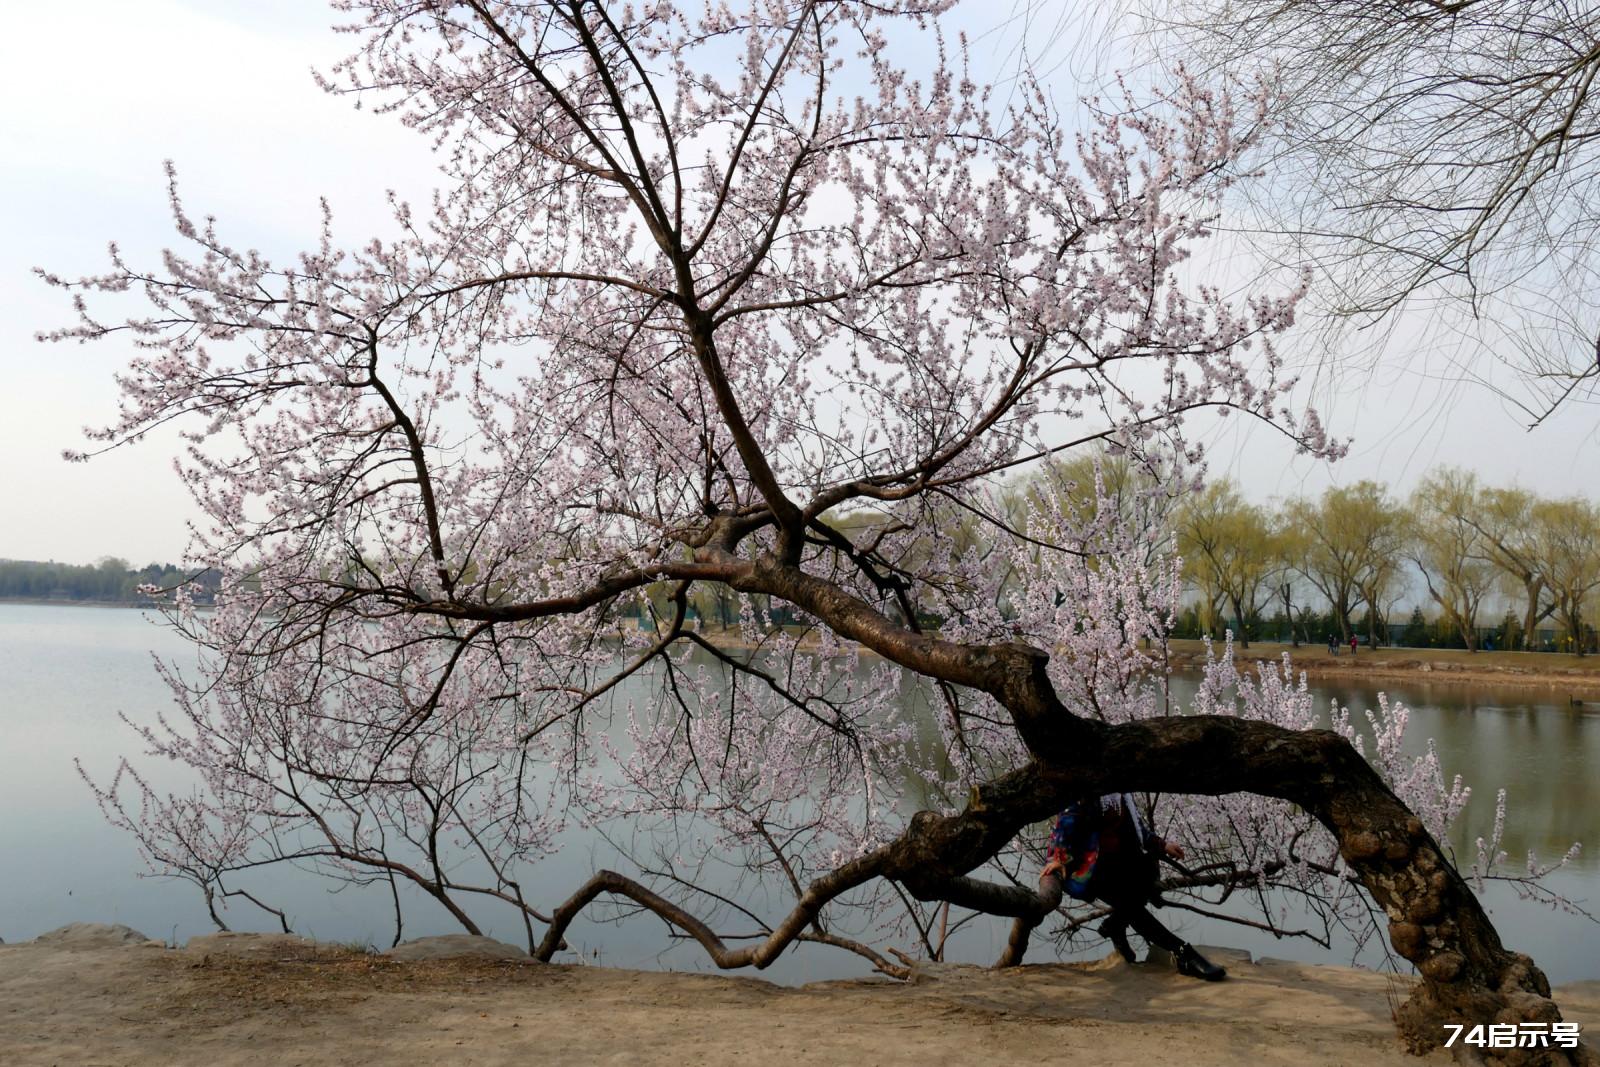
(1352, 644)
(1101, 849)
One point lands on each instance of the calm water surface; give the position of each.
(66, 672)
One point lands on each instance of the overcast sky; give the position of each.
(98, 94)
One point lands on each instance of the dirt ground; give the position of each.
(271, 1001)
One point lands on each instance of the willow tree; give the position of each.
(1227, 546)
(1511, 544)
(1567, 533)
(1352, 539)
(1435, 154)
(699, 279)
(1444, 541)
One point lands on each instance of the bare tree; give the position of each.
(1436, 153)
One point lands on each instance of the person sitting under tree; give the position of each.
(1100, 849)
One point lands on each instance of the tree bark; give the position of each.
(1435, 921)
(1243, 636)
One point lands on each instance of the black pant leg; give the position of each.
(1149, 927)
(1127, 887)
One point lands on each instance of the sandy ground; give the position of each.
(272, 1001)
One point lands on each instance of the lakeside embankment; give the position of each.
(99, 994)
(1569, 678)
(47, 602)
(1576, 676)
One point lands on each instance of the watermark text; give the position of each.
(1514, 1035)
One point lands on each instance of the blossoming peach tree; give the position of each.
(723, 302)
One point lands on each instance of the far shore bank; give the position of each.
(1567, 678)
(1570, 679)
(47, 602)
(105, 995)
(1577, 678)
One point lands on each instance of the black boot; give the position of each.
(1117, 933)
(1194, 965)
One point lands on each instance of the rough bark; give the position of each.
(1434, 919)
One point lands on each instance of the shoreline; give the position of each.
(104, 995)
(47, 602)
(1556, 671)
(1577, 676)
(1560, 672)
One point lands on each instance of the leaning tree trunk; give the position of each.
(1468, 976)
(1435, 921)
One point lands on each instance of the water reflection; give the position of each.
(1543, 751)
(65, 673)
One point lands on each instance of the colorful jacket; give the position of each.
(1086, 830)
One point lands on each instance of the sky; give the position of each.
(97, 94)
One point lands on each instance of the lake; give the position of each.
(65, 673)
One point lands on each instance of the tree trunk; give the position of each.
(1288, 613)
(1374, 621)
(1468, 630)
(1468, 976)
(1435, 921)
(1531, 617)
(1238, 616)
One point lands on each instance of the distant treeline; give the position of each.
(110, 581)
(1478, 565)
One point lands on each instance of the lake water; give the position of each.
(65, 673)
